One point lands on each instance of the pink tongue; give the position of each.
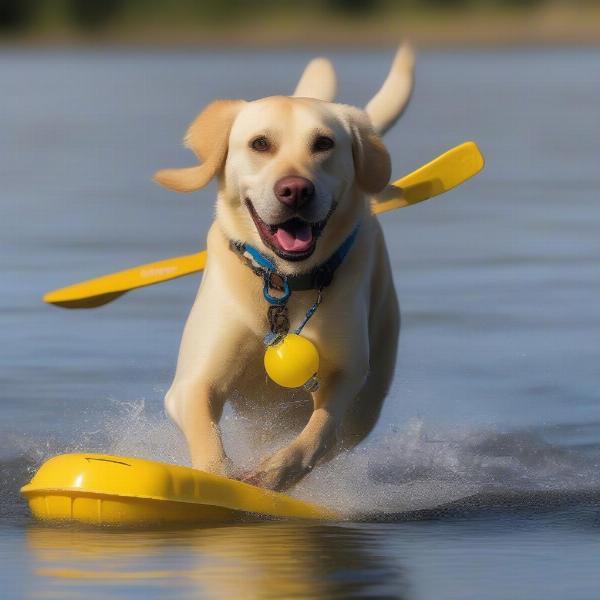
(297, 240)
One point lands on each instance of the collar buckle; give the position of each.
(269, 284)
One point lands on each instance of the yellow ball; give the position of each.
(292, 362)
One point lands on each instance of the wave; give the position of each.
(415, 472)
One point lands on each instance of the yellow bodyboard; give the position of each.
(101, 489)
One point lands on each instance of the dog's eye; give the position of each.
(322, 144)
(260, 144)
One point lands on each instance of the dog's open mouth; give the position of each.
(293, 240)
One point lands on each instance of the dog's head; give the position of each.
(293, 173)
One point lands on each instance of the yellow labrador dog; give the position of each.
(295, 177)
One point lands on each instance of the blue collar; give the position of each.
(317, 279)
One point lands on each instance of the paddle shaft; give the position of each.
(436, 177)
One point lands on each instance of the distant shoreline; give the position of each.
(549, 27)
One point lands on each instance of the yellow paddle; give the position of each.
(440, 175)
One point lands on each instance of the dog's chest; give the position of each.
(255, 397)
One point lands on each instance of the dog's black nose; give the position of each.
(294, 191)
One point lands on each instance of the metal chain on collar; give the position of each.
(310, 312)
(279, 322)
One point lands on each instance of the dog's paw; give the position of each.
(280, 471)
(221, 466)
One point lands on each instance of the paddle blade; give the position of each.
(436, 177)
(102, 290)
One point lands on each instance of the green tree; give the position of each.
(16, 15)
(93, 14)
(354, 6)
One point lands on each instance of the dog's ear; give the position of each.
(318, 81)
(208, 138)
(372, 163)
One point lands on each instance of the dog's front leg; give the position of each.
(197, 412)
(290, 464)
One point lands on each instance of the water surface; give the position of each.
(481, 478)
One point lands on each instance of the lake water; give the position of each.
(482, 477)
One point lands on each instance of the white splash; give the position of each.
(412, 468)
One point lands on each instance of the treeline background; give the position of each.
(276, 19)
